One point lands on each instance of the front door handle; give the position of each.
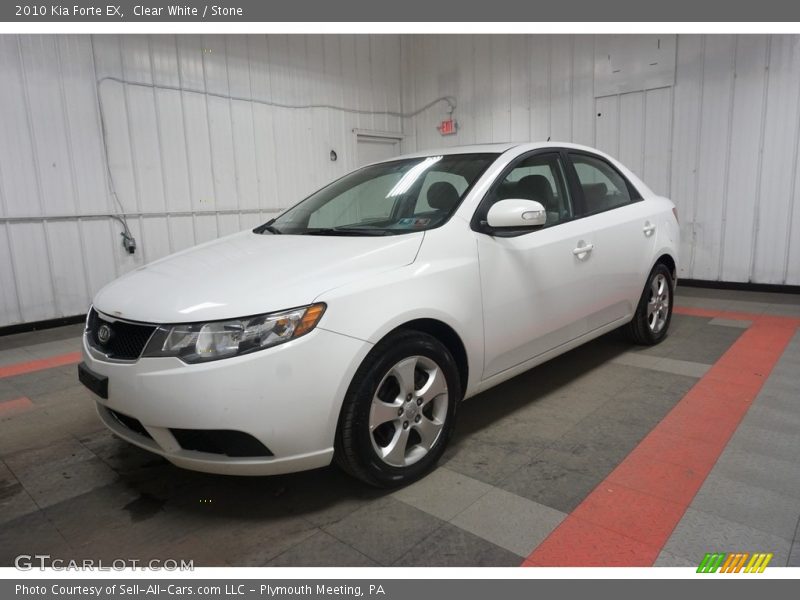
(648, 228)
(585, 249)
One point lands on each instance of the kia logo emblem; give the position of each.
(104, 334)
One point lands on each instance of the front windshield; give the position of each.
(388, 198)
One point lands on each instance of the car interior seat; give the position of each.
(538, 188)
(442, 197)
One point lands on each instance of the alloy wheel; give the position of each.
(658, 303)
(408, 411)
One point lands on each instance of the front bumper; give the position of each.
(287, 397)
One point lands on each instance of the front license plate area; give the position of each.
(95, 382)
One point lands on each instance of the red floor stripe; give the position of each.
(15, 406)
(40, 364)
(627, 519)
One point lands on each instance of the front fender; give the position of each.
(443, 284)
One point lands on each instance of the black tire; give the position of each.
(640, 329)
(355, 445)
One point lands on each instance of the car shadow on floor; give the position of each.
(324, 494)
(152, 508)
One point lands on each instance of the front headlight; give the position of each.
(201, 342)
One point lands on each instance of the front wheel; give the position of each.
(399, 411)
(653, 314)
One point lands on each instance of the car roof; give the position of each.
(493, 148)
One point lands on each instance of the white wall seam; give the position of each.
(236, 166)
(73, 175)
(38, 171)
(160, 138)
(760, 169)
(190, 178)
(792, 192)
(109, 189)
(259, 185)
(549, 89)
(131, 149)
(572, 88)
(698, 149)
(668, 191)
(12, 263)
(643, 138)
(7, 312)
(726, 177)
(208, 130)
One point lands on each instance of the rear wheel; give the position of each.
(653, 314)
(399, 411)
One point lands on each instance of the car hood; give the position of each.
(247, 274)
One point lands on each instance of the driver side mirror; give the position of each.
(516, 214)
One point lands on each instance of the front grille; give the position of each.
(130, 423)
(126, 341)
(220, 441)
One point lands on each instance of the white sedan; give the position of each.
(350, 327)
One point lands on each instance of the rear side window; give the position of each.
(602, 185)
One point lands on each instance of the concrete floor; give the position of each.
(525, 455)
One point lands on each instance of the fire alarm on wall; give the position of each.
(448, 127)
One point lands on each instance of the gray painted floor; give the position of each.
(525, 454)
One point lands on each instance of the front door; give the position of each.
(536, 287)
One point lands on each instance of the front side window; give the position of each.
(388, 198)
(538, 177)
(603, 187)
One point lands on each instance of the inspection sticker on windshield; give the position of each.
(413, 222)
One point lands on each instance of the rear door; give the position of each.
(535, 285)
(624, 227)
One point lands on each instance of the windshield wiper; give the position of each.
(268, 227)
(347, 231)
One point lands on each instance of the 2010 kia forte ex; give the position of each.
(350, 327)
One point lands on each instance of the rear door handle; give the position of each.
(648, 228)
(585, 249)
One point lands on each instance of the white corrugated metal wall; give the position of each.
(722, 142)
(188, 166)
